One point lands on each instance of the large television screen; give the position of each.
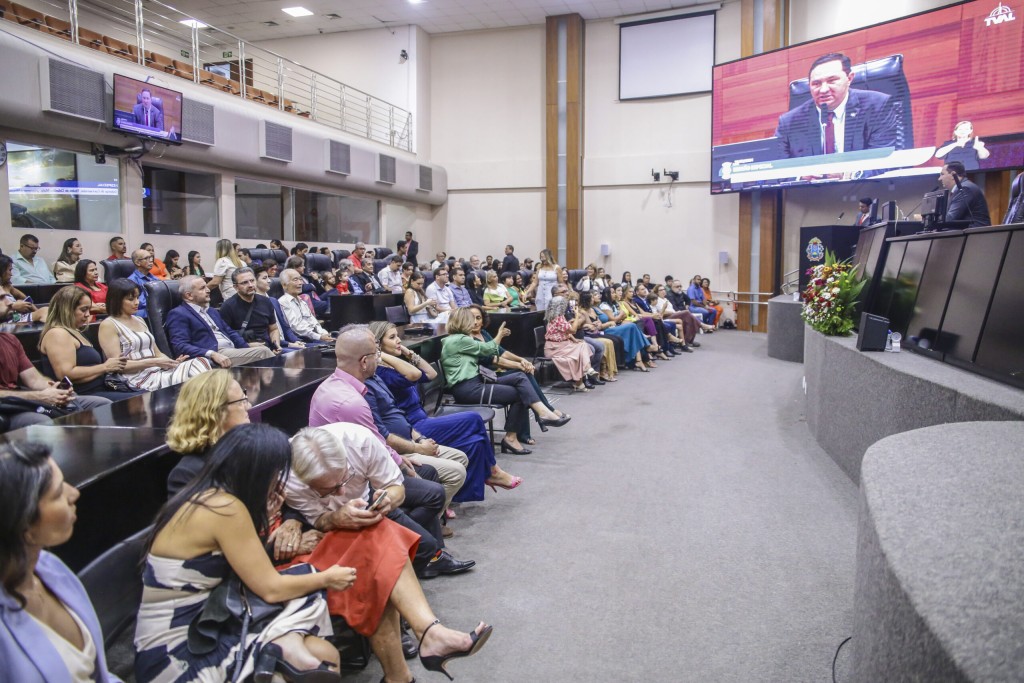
(146, 110)
(895, 99)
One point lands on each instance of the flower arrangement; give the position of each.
(830, 300)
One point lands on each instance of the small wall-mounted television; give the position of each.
(146, 110)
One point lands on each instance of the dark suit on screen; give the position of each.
(967, 203)
(871, 123)
(156, 117)
(191, 336)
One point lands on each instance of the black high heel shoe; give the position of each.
(506, 447)
(439, 662)
(552, 423)
(272, 659)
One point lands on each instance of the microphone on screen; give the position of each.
(823, 114)
(840, 216)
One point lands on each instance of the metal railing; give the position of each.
(151, 34)
(788, 281)
(733, 298)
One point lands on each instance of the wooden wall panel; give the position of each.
(743, 258)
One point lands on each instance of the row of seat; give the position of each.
(26, 16)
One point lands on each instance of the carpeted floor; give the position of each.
(683, 527)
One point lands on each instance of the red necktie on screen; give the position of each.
(830, 133)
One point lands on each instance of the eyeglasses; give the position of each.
(239, 400)
(372, 353)
(338, 487)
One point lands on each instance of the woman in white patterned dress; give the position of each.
(124, 335)
(210, 530)
(544, 278)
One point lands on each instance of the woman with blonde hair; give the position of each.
(495, 294)
(545, 276)
(227, 262)
(67, 353)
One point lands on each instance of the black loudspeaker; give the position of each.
(873, 333)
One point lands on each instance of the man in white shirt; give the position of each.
(194, 329)
(391, 277)
(29, 268)
(439, 291)
(298, 313)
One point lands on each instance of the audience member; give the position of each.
(421, 308)
(64, 266)
(593, 329)
(364, 281)
(334, 467)
(400, 370)
(51, 631)
(159, 269)
(460, 360)
(697, 303)
(391, 276)
(118, 248)
(29, 268)
(570, 355)
(712, 304)
(528, 263)
(356, 257)
(298, 309)
(66, 352)
(143, 261)
(87, 278)
(614, 322)
(341, 398)
(646, 323)
(665, 331)
(412, 248)
(664, 307)
(495, 294)
(196, 330)
(20, 379)
(460, 294)
(627, 279)
(246, 258)
(277, 245)
(510, 263)
(590, 282)
(224, 267)
(474, 262)
(123, 334)
(194, 266)
(439, 291)
(518, 285)
(439, 260)
(252, 316)
(507, 280)
(289, 339)
(545, 276)
(209, 528)
(174, 271)
(19, 308)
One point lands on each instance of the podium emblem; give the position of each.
(815, 250)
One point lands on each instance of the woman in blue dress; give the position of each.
(401, 369)
(613, 322)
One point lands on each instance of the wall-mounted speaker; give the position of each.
(72, 90)
(606, 249)
(197, 121)
(723, 258)
(873, 332)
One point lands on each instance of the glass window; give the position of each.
(62, 190)
(267, 211)
(179, 202)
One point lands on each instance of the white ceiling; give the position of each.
(245, 19)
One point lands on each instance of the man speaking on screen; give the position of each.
(837, 118)
(146, 113)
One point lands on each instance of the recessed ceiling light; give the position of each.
(297, 11)
(193, 23)
(415, 2)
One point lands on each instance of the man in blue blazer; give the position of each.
(194, 329)
(838, 118)
(289, 340)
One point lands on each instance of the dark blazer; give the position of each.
(287, 333)
(190, 335)
(412, 250)
(156, 116)
(871, 123)
(509, 264)
(968, 204)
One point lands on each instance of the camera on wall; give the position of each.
(403, 55)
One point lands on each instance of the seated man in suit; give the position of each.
(146, 113)
(837, 118)
(365, 282)
(194, 329)
(966, 200)
(290, 339)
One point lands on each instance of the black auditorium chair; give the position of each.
(883, 75)
(276, 290)
(527, 276)
(216, 296)
(163, 297)
(432, 395)
(575, 275)
(379, 264)
(114, 584)
(544, 366)
(115, 268)
(41, 294)
(340, 254)
(428, 278)
(382, 252)
(397, 315)
(279, 255)
(318, 263)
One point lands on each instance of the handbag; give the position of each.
(115, 383)
(13, 405)
(488, 375)
(231, 608)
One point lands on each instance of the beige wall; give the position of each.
(812, 19)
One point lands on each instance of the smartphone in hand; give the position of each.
(377, 504)
(65, 384)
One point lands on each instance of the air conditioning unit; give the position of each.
(386, 169)
(275, 141)
(426, 179)
(338, 157)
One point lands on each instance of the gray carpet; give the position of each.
(683, 527)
